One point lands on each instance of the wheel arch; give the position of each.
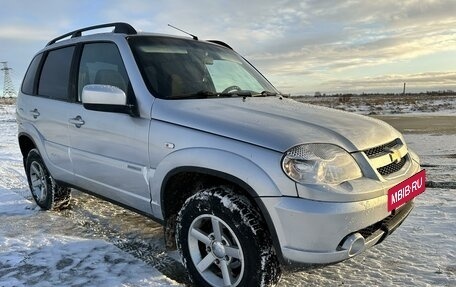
(175, 190)
(26, 143)
(207, 174)
(225, 165)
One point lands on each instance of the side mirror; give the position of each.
(105, 98)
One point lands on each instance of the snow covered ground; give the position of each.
(388, 104)
(55, 249)
(98, 244)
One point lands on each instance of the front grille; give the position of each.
(387, 166)
(378, 150)
(392, 167)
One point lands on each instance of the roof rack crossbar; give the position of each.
(119, 27)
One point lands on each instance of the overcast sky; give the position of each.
(300, 46)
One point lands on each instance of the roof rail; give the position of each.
(220, 43)
(119, 27)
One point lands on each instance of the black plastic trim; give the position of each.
(38, 72)
(125, 109)
(205, 171)
(221, 43)
(399, 216)
(148, 215)
(22, 134)
(74, 71)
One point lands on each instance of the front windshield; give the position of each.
(180, 68)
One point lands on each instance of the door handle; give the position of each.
(35, 113)
(77, 121)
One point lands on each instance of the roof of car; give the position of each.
(119, 28)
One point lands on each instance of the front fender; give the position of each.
(236, 168)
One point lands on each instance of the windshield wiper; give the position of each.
(240, 93)
(267, 94)
(248, 93)
(255, 94)
(203, 94)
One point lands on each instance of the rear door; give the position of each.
(110, 150)
(48, 100)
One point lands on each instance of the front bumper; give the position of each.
(325, 226)
(313, 232)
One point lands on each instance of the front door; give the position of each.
(109, 150)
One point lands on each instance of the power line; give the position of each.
(8, 87)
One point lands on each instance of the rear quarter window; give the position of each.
(29, 79)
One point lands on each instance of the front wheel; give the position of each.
(45, 191)
(223, 241)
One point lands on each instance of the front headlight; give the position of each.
(320, 163)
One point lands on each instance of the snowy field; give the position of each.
(98, 244)
(388, 104)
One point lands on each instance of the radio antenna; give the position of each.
(193, 36)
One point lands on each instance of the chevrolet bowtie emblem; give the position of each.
(395, 155)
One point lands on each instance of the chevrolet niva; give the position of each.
(187, 132)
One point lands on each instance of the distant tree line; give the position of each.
(349, 95)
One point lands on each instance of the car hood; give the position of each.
(275, 123)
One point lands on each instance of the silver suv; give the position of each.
(187, 132)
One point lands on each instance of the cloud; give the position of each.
(25, 33)
(301, 44)
(368, 33)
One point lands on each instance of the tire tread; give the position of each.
(269, 271)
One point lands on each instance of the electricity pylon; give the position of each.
(8, 88)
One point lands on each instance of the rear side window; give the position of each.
(29, 79)
(55, 75)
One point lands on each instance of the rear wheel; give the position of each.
(45, 191)
(223, 241)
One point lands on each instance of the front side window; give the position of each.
(102, 64)
(55, 75)
(180, 68)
